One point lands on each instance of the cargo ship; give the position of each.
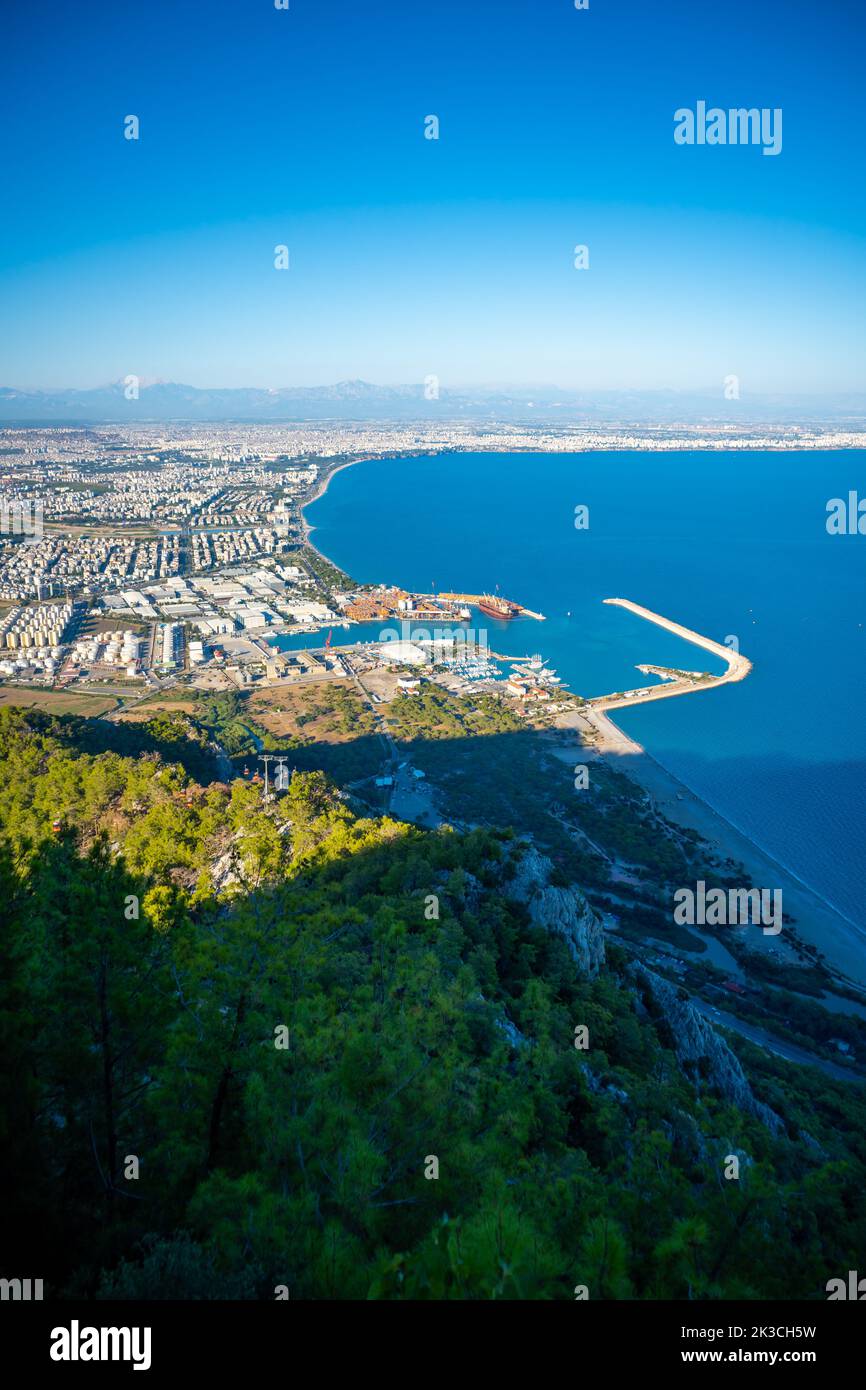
(496, 607)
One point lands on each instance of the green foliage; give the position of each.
(226, 719)
(434, 713)
(175, 1268)
(160, 1035)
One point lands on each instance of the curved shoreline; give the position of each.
(321, 488)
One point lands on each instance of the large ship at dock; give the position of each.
(496, 607)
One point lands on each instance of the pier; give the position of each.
(737, 667)
(595, 713)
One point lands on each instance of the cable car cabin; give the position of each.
(56, 827)
(184, 795)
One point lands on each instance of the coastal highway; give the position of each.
(790, 1052)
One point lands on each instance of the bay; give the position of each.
(730, 544)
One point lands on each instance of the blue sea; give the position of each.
(729, 544)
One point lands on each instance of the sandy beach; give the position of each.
(816, 921)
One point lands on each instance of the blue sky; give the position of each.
(412, 257)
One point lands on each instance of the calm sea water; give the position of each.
(725, 543)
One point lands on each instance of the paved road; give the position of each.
(382, 729)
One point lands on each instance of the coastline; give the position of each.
(321, 488)
(818, 921)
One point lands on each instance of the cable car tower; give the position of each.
(281, 776)
(266, 758)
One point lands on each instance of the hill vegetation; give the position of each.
(240, 1039)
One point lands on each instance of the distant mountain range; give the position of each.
(361, 401)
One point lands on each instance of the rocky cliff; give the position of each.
(564, 911)
(695, 1042)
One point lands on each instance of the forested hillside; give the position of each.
(239, 1040)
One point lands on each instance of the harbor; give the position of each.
(675, 682)
(491, 604)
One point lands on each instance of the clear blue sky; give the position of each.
(409, 256)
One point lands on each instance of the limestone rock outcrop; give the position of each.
(564, 911)
(695, 1041)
